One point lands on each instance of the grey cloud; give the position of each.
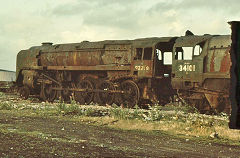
(72, 21)
(108, 13)
(85, 7)
(70, 9)
(221, 6)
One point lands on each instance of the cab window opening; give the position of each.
(188, 53)
(184, 53)
(167, 58)
(198, 49)
(139, 52)
(147, 54)
(178, 55)
(164, 57)
(159, 54)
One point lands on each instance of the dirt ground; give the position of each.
(24, 135)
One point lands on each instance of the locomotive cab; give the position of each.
(188, 61)
(152, 67)
(163, 59)
(153, 57)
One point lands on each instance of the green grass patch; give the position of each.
(6, 106)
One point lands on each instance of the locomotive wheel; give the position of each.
(94, 83)
(131, 93)
(118, 98)
(65, 94)
(106, 97)
(48, 93)
(84, 97)
(24, 92)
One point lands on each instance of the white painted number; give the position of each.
(187, 67)
(142, 68)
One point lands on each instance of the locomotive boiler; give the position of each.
(126, 72)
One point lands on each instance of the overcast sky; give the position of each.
(26, 23)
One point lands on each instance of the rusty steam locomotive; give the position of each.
(130, 72)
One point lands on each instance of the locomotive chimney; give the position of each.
(47, 43)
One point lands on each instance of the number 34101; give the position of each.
(187, 68)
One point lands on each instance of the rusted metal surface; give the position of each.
(190, 41)
(219, 54)
(26, 58)
(70, 58)
(143, 68)
(119, 52)
(226, 62)
(29, 77)
(85, 68)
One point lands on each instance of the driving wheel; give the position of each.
(105, 96)
(131, 94)
(85, 96)
(48, 92)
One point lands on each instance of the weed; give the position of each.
(176, 107)
(6, 106)
(65, 109)
(2, 94)
(119, 113)
(74, 109)
(125, 114)
(137, 113)
(154, 114)
(90, 112)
